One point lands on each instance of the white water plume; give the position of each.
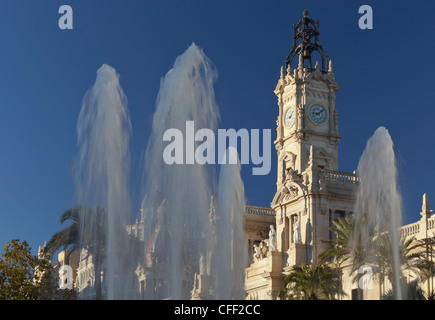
(230, 251)
(186, 94)
(180, 239)
(378, 210)
(102, 171)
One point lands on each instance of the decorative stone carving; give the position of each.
(306, 179)
(291, 189)
(335, 121)
(300, 117)
(261, 250)
(289, 70)
(331, 69)
(292, 193)
(257, 253)
(321, 180)
(290, 175)
(280, 220)
(300, 135)
(290, 160)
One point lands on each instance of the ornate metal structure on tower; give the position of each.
(305, 42)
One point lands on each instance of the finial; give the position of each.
(305, 13)
(311, 156)
(282, 72)
(331, 70)
(425, 208)
(301, 61)
(289, 69)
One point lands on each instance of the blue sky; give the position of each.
(385, 77)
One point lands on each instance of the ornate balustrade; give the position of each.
(415, 228)
(338, 177)
(260, 211)
(410, 229)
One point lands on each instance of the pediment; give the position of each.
(287, 192)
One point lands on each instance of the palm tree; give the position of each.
(68, 238)
(339, 247)
(86, 230)
(311, 283)
(413, 257)
(339, 250)
(413, 292)
(427, 265)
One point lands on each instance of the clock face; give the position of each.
(289, 117)
(317, 114)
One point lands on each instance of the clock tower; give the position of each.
(307, 120)
(311, 191)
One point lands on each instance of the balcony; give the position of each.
(339, 177)
(260, 211)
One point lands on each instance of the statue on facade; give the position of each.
(296, 231)
(257, 253)
(264, 248)
(272, 238)
(261, 250)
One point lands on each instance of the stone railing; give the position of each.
(260, 211)
(409, 230)
(417, 227)
(338, 177)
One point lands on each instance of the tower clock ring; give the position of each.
(318, 114)
(290, 117)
